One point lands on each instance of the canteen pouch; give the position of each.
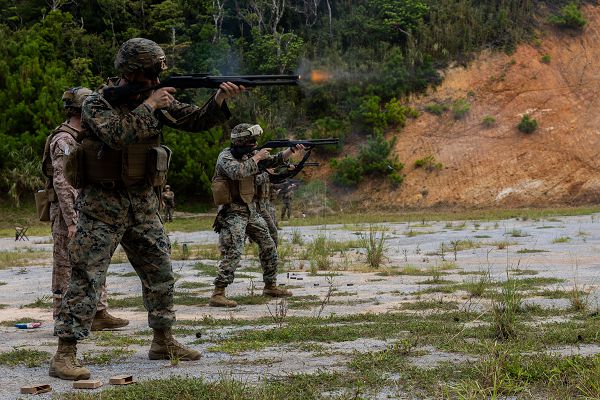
(43, 198)
(220, 190)
(159, 159)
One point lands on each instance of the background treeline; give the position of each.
(375, 52)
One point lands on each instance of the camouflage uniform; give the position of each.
(287, 202)
(168, 198)
(238, 220)
(264, 206)
(62, 214)
(127, 215)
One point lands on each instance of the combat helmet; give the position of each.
(141, 54)
(245, 134)
(74, 97)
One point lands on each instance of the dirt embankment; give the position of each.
(499, 166)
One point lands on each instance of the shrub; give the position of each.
(428, 163)
(328, 127)
(348, 171)
(546, 58)
(369, 113)
(436, 108)
(570, 16)
(396, 113)
(488, 121)
(460, 108)
(395, 179)
(374, 156)
(527, 124)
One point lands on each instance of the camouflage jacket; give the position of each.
(168, 198)
(234, 169)
(61, 145)
(119, 126)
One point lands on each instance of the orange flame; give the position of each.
(319, 76)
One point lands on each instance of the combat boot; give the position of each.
(103, 320)
(64, 364)
(272, 290)
(218, 299)
(165, 347)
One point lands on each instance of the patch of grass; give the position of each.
(3, 306)
(205, 269)
(561, 239)
(27, 357)
(106, 357)
(482, 236)
(136, 302)
(488, 121)
(413, 233)
(518, 271)
(189, 299)
(460, 108)
(406, 270)
(517, 233)
(24, 320)
(112, 339)
(297, 237)
(2, 283)
(40, 302)
(193, 285)
(24, 257)
(436, 108)
(375, 247)
(527, 251)
(429, 304)
(428, 163)
(527, 124)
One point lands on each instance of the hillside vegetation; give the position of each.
(375, 56)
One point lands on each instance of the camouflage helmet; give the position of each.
(74, 97)
(140, 54)
(245, 134)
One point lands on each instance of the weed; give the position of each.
(436, 108)
(27, 357)
(107, 357)
(561, 239)
(297, 237)
(527, 124)
(429, 164)
(488, 121)
(279, 313)
(375, 247)
(44, 301)
(460, 108)
(505, 309)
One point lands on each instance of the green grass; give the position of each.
(27, 357)
(113, 339)
(193, 285)
(24, 257)
(2, 283)
(17, 321)
(136, 302)
(40, 302)
(527, 251)
(106, 357)
(561, 239)
(205, 269)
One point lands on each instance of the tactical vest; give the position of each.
(227, 191)
(140, 163)
(47, 168)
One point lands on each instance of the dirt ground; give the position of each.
(566, 248)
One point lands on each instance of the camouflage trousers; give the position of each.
(287, 208)
(61, 268)
(148, 249)
(267, 211)
(168, 214)
(235, 227)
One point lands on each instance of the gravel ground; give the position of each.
(574, 260)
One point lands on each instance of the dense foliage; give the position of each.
(372, 52)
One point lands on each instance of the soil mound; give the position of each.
(556, 81)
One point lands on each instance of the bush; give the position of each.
(373, 156)
(460, 108)
(436, 108)
(369, 113)
(570, 16)
(488, 121)
(527, 124)
(546, 58)
(328, 127)
(348, 171)
(428, 163)
(395, 179)
(396, 113)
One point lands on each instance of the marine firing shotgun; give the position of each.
(194, 81)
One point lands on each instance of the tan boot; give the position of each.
(64, 364)
(272, 290)
(218, 299)
(103, 320)
(165, 347)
